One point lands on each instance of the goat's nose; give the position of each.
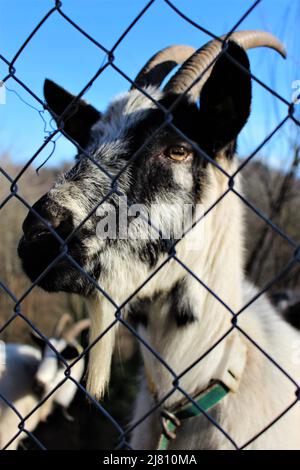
(57, 217)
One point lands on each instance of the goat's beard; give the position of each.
(102, 314)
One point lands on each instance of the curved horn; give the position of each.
(76, 329)
(158, 67)
(199, 62)
(61, 324)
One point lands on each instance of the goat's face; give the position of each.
(51, 371)
(166, 175)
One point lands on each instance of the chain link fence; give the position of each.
(111, 54)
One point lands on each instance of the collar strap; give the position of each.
(205, 401)
(227, 379)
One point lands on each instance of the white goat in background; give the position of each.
(30, 374)
(178, 317)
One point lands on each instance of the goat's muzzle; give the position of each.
(51, 217)
(43, 250)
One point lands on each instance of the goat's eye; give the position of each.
(178, 152)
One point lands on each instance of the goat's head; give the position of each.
(167, 172)
(51, 371)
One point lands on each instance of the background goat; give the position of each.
(177, 316)
(30, 374)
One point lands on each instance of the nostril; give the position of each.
(34, 230)
(37, 230)
(54, 217)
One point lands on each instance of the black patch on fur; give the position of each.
(151, 174)
(292, 315)
(70, 352)
(138, 311)
(181, 310)
(151, 251)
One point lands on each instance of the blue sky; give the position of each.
(61, 53)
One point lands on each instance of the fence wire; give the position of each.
(110, 61)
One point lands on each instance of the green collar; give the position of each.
(226, 379)
(205, 401)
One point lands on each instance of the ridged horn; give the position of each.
(76, 329)
(197, 64)
(162, 63)
(61, 324)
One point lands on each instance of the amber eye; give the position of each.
(178, 152)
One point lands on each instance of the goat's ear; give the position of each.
(78, 119)
(38, 340)
(69, 352)
(225, 100)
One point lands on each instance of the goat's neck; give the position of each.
(173, 292)
(184, 322)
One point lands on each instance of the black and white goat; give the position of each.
(178, 317)
(29, 374)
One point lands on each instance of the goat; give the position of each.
(166, 165)
(31, 373)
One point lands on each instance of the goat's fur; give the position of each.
(176, 315)
(25, 366)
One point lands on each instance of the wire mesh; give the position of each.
(111, 55)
